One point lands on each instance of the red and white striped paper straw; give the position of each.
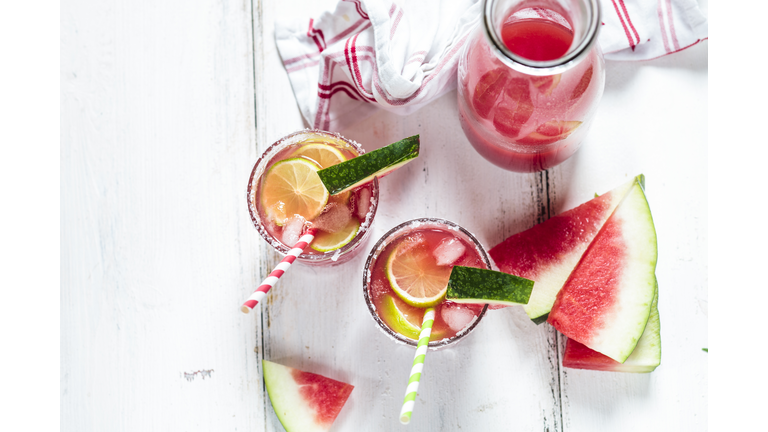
(279, 270)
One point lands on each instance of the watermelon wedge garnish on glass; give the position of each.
(606, 302)
(548, 252)
(645, 358)
(304, 401)
(358, 171)
(469, 285)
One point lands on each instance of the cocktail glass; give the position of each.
(363, 201)
(453, 321)
(529, 81)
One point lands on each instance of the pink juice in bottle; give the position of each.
(529, 86)
(435, 245)
(536, 38)
(343, 223)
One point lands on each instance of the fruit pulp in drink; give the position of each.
(350, 211)
(522, 122)
(451, 319)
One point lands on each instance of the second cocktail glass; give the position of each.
(437, 244)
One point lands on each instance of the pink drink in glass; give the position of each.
(361, 202)
(442, 239)
(529, 81)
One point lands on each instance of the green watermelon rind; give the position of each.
(646, 356)
(362, 169)
(480, 286)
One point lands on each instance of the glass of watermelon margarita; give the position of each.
(289, 165)
(408, 270)
(529, 81)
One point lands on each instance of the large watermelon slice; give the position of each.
(645, 358)
(304, 401)
(548, 252)
(606, 302)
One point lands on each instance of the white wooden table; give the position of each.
(165, 108)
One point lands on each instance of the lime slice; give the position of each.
(415, 276)
(292, 187)
(326, 242)
(325, 155)
(362, 169)
(480, 286)
(405, 319)
(398, 321)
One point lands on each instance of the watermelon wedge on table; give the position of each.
(548, 252)
(645, 358)
(606, 301)
(304, 401)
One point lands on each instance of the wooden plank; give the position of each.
(157, 248)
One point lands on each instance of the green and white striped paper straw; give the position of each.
(418, 366)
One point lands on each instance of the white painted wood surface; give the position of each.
(157, 141)
(160, 128)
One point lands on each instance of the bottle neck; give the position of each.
(579, 17)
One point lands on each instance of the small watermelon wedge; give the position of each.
(358, 171)
(548, 252)
(471, 285)
(606, 302)
(645, 358)
(304, 401)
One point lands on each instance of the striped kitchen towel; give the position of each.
(401, 55)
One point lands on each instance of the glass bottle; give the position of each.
(529, 81)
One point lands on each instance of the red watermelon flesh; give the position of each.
(548, 252)
(645, 357)
(304, 401)
(606, 301)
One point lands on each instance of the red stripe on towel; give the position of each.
(623, 24)
(629, 20)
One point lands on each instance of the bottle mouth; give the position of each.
(583, 17)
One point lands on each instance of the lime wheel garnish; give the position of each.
(415, 276)
(292, 187)
(326, 242)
